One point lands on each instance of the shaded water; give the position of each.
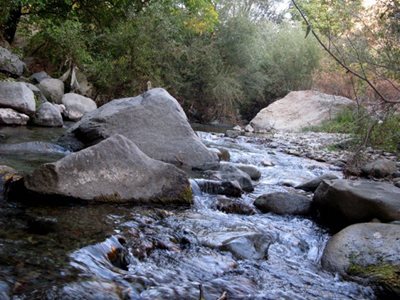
(123, 252)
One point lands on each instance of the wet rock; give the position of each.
(118, 256)
(92, 290)
(4, 291)
(312, 185)
(298, 110)
(39, 76)
(52, 89)
(115, 170)
(249, 128)
(370, 251)
(267, 163)
(233, 134)
(380, 168)
(41, 225)
(229, 172)
(48, 115)
(342, 202)
(396, 182)
(283, 203)
(227, 188)
(224, 154)
(6, 174)
(11, 63)
(77, 105)
(254, 246)
(18, 96)
(233, 206)
(154, 121)
(32, 148)
(252, 171)
(9, 116)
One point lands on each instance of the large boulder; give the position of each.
(9, 116)
(18, 96)
(379, 168)
(52, 89)
(283, 203)
(369, 251)
(154, 121)
(342, 202)
(48, 115)
(299, 110)
(11, 63)
(115, 170)
(77, 105)
(312, 185)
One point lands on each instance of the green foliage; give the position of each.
(383, 134)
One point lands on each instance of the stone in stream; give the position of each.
(52, 89)
(48, 115)
(227, 188)
(312, 185)
(115, 170)
(233, 206)
(6, 174)
(229, 172)
(77, 105)
(284, 203)
(379, 168)
(154, 121)
(367, 251)
(242, 245)
(252, 171)
(299, 109)
(9, 116)
(343, 202)
(18, 96)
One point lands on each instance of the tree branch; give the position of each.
(348, 69)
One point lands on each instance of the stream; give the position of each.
(136, 252)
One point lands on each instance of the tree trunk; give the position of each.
(10, 27)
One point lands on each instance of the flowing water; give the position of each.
(125, 252)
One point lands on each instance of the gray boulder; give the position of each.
(283, 203)
(154, 121)
(9, 116)
(18, 96)
(115, 170)
(379, 168)
(312, 185)
(233, 206)
(48, 115)
(342, 202)
(369, 251)
(298, 110)
(40, 98)
(77, 105)
(39, 76)
(229, 172)
(11, 63)
(52, 89)
(227, 188)
(252, 171)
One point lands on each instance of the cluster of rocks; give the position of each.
(39, 100)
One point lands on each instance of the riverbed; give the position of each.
(130, 252)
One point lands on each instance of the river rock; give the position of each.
(232, 134)
(227, 188)
(18, 96)
(298, 110)
(370, 251)
(6, 173)
(48, 115)
(52, 89)
(379, 168)
(229, 172)
(11, 63)
(252, 171)
(154, 121)
(77, 105)
(342, 202)
(283, 203)
(312, 185)
(115, 170)
(9, 116)
(39, 76)
(233, 206)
